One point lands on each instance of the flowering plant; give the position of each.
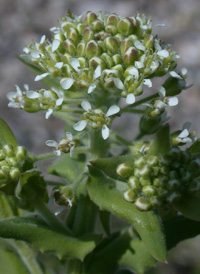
(95, 69)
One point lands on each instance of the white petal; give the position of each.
(19, 92)
(66, 83)
(48, 113)
(55, 45)
(11, 95)
(183, 72)
(130, 99)
(159, 25)
(26, 87)
(26, 50)
(59, 65)
(80, 125)
(187, 140)
(57, 152)
(97, 72)
(183, 134)
(41, 76)
(118, 83)
(13, 105)
(59, 101)
(175, 75)
(32, 94)
(133, 71)
(71, 151)
(42, 39)
(139, 64)
(173, 101)
(69, 136)
(154, 65)
(36, 54)
(148, 83)
(112, 110)
(160, 105)
(139, 45)
(91, 88)
(163, 53)
(162, 92)
(51, 143)
(157, 45)
(74, 62)
(86, 105)
(105, 132)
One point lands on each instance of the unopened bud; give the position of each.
(107, 60)
(2, 174)
(14, 173)
(97, 25)
(90, 17)
(111, 29)
(152, 160)
(139, 162)
(20, 153)
(124, 170)
(69, 46)
(142, 204)
(133, 183)
(129, 195)
(88, 34)
(117, 59)
(92, 49)
(173, 197)
(112, 44)
(127, 43)
(148, 41)
(155, 201)
(148, 190)
(130, 56)
(125, 26)
(112, 19)
(8, 150)
(174, 184)
(12, 161)
(144, 171)
(72, 33)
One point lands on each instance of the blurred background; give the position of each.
(24, 20)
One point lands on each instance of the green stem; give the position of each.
(72, 101)
(98, 146)
(120, 139)
(74, 267)
(72, 110)
(45, 156)
(130, 110)
(49, 217)
(140, 135)
(144, 100)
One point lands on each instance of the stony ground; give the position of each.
(24, 20)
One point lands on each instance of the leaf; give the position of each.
(6, 135)
(48, 81)
(161, 143)
(8, 206)
(105, 221)
(103, 192)
(11, 263)
(120, 250)
(68, 167)
(35, 232)
(189, 206)
(195, 147)
(180, 228)
(109, 165)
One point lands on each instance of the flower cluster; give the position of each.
(157, 181)
(102, 51)
(33, 101)
(11, 162)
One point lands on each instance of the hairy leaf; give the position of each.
(6, 135)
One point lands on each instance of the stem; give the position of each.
(130, 110)
(74, 267)
(49, 217)
(72, 110)
(140, 135)
(98, 146)
(120, 139)
(72, 101)
(45, 156)
(144, 100)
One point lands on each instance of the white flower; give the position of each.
(58, 103)
(66, 144)
(130, 98)
(16, 98)
(41, 76)
(96, 118)
(183, 137)
(173, 101)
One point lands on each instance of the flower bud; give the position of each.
(81, 49)
(88, 34)
(124, 170)
(173, 197)
(133, 183)
(148, 41)
(90, 17)
(155, 202)
(111, 29)
(125, 26)
(14, 173)
(152, 160)
(92, 49)
(129, 195)
(139, 162)
(127, 43)
(117, 59)
(144, 181)
(144, 171)
(112, 44)
(64, 195)
(12, 161)
(8, 150)
(97, 25)
(67, 25)
(69, 46)
(107, 60)
(112, 19)
(142, 204)
(20, 153)
(2, 175)
(5, 169)
(80, 28)
(174, 184)
(148, 190)
(130, 56)
(72, 33)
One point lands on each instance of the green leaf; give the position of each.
(195, 147)
(180, 228)
(102, 191)
(68, 167)
(38, 234)
(48, 81)
(189, 206)
(10, 263)
(6, 135)
(8, 206)
(161, 143)
(105, 221)
(174, 86)
(109, 165)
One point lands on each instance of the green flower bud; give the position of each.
(8, 150)
(12, 161)
(152, 160)
(112, 44)
(81, 49)
(64, 195)
(144, 181)
(125, 26)
(5, 169)
(107, 60)
(129, 195)
(142, 204)
(144, 171)
(130, 56)
(124, 170)
(155, 201)
(92, 49)
(80, 28)
(112, 19)
(2, 156)
(97, 25)
(174, 184)
(111, 29)
(69, 46)
(90, 17)
(72, 33)
(139, 162)
(88, 34)
(67, 25)
(148, 190)
(148, 41)
(95, 62)
(127, 43)
(14, 173)
(2, 174)
(133, 183)
(20, 153)
(173, 197)
(117, 59)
